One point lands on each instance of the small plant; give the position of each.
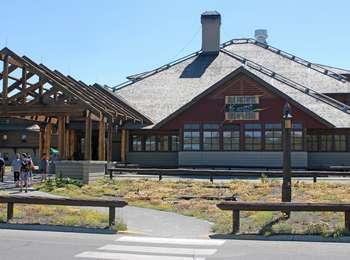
(321, 228)
(264, 178)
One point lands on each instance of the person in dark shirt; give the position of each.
(2, 168)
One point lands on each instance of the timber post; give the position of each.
(109, 145)
(62, 137)
(347, 220)
(9, 211)
(235, 221)
(88, 136)
(287, 129)
(102, 140)
(111, 217)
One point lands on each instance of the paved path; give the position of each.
(36, 245)
(148, 221)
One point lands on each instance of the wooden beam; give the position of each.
(5, 80)
(11, 68)
(62, 137)
(123, 145)
(48, 135)
(41, 141)
(88, 136)
(109, 141)
(102, 140)
(72, 144)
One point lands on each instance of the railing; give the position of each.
(320, 96)
(289, 56)
(111, 204)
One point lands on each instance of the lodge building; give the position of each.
(222, 107)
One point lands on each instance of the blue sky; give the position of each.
(106, 40)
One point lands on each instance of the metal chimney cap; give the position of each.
(261, 35)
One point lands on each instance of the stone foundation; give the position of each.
(86, 171)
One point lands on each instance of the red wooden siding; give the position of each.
(211, 107)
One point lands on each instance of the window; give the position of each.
(312, 143)
(241, 108)
(252, 137)
(339, 143)
(326, 143)
(136, 143)
(175, 143)
(297, 137)
(273, 137)
(231, 137)
(163, 143)
(191, 137)
(211, 137)
(150, 143)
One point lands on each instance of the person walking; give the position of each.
(24, 175)
(2, 168)
(31, 169)
(16, 167)
(44, 167)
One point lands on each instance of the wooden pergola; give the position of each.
(32, 91)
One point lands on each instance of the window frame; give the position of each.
(253, 128)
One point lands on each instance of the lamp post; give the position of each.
(287, 133)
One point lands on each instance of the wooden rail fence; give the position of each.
(236, 207)
(111, 204)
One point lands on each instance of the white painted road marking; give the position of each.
(160, 250)
(155, 248)
(172, 241)
(123, 256)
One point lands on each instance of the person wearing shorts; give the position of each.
(16, 167)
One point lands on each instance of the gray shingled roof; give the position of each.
(335, 69)
(161, 94)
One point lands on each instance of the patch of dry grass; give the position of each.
(58, 215)
(164, 195)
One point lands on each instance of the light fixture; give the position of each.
(287, 116)
(4, 137)
(24, 137)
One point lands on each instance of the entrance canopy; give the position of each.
(34, 92)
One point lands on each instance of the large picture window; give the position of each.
(273, 137)
(175, 143)
(241, 108)
(312, 143)
(191, 139)
(231, 138)
(297, 137)
(163, 143)
(150, 143)
(211, 137)
(326, 143)
(339, 143)
(252, 137)
(136, 143)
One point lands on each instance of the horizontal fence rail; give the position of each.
(111, 204)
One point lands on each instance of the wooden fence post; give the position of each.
(235, 221)
(9, 211)
(347, 220)
(111, 217)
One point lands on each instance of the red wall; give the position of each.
(211, 107)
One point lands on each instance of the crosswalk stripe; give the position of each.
(124, 256)
(172, 241)
(159, 250)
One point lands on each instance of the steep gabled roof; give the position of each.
(161, 92)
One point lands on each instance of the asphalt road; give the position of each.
(37, 245)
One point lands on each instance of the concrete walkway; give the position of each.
(147, 222)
